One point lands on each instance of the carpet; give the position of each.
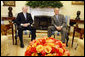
(15, 50)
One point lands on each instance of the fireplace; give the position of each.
(42, 22)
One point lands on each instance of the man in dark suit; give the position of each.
(24, 21)
(59, 24)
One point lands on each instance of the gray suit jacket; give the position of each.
(60, 22)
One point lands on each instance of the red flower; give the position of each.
(53, 50)
(43, 53)
(63, 49)
(38, 43)
(32, 42)
(56, 50)
(57, 54)
(60, 54)
(56, 40)
(43, 41)
(33, 49)
(59, 43)
(27, 53)
(51, 38)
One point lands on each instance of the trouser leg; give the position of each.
(67, 39)
(64, 35)
(20, 34)
(33, 32)
(50, 30)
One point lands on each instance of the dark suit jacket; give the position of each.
(21, 19)
(60, 22)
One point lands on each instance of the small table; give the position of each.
(8, 26)
(76, 28)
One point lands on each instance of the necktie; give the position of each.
(57, 17)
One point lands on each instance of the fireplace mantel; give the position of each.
(41, 11)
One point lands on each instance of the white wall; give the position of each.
(67, 9)
(70, 10)
(16, 9)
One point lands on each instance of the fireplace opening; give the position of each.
(42, 22)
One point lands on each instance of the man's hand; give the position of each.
(59, 28)
(26, 24)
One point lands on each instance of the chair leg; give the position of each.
(29, 35)
(73, 37)
(81, 36)
(54, 36)
(16, 34)
(12, 34)
(15, 39)
(16, 42)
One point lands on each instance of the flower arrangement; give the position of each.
(46, 47)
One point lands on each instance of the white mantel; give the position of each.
(41, 11)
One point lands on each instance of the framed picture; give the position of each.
(8, 3)
(77, 2)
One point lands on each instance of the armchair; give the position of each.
(68, 27)
(16, 32)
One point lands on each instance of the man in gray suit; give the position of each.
(59, 24)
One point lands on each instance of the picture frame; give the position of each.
(77, 2)
(9, 3)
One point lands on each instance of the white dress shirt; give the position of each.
(25, 15)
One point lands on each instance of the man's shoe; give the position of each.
(66, 45)
(16, 42)
(22, 45)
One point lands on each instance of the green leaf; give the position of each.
(44, 4)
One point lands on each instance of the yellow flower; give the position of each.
(34, 54)
(64, 54)
(47, 49)
(37, 41)
(39, 48)
(51, 44)
(49, 40)
(49, 54)
(34, 45)
(61, 50)
(64, 45)
(54, 54)
(28, 47)
(56, 46)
